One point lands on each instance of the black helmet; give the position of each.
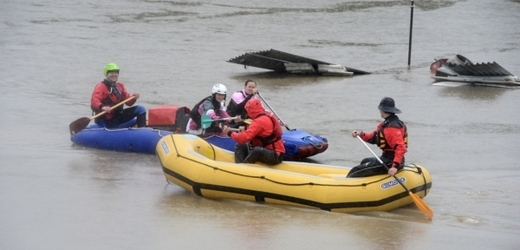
(387, 105)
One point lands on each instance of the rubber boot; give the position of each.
(141, 120)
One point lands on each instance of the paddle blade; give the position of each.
(78, 125)
(205, 121)
(422, 205)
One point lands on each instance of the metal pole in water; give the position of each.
(410, 41)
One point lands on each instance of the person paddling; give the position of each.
(212, 106)
(109, 92)
(391, 136)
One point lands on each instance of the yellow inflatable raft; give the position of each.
(211, 172)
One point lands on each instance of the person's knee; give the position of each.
(254, 155)
(256, 152)
(366, 160)
(353, 171)
(140, 110)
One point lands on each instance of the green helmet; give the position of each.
(111, 67)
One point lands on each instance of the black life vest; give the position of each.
(394, 122)
(234, 109)
(196, 116)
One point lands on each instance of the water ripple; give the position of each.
(471, 220)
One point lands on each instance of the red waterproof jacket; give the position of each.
(264, 131)
(107, 94)
(391, 136)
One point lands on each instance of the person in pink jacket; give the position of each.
(240, 98)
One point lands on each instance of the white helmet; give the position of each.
(219, 89)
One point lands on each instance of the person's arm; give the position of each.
(245, 136)
(208, 109)
(127, 95)
(371, 137)
(222, 112)
(98, 94)
(242, 104)
(368, 137)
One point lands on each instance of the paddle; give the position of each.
(283, 123)
(205, 121)
(83, 122)
(418, 201)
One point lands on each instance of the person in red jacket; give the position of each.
(264, 135)
(109, 92)
(391, 136)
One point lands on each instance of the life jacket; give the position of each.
(196, 116)
(233, 109)
(114, 96)
(273, 137)
(393, 122)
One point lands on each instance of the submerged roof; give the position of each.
(461, 69)
(280, 61)
(479, 69)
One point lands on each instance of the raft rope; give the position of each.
(419, 170)
(275, 181)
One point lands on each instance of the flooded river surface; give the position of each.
(57, 195)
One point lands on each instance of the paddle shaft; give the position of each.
(206, 121)
(115, 106)
(283, 123)
(208, 118)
